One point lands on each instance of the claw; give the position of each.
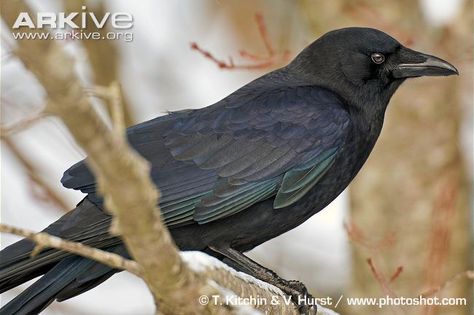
(300, 296)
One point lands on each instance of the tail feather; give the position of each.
(40, 294)
(65, 275)
(25, 269)
(16, 264)
(78, 287)
(92, 277)
(68, 278)
(15, 252)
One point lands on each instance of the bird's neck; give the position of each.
(368, 124)
(369, 110)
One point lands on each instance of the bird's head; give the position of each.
(363, 64)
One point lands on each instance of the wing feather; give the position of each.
(254, 145)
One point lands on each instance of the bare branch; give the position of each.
(358, 237)
(112, 95)
(44, 240)
(103, 55)
(229, 282)
(384, 283)
(268, 60)
(116, 109)
(469, 274)
(33, 174)
(262, 29)
(21, 125)
(396, 274)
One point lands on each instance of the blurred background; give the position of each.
(403, 228)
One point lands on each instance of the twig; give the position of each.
(44, 240)
(221, 64)
(116, 109)
(443, 213)
(112, 95)
(358, 236)
(21, 125)
(396, 274)
(34, 176)
(262, 29)
(469, 274)
(383, 283)
(379, 276)
(259, 61)
(103, 55)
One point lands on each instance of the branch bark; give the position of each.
(103, 55)
(44, 240)
(230, 283)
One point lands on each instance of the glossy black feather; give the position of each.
(259, 141)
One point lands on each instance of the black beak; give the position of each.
(415, 64)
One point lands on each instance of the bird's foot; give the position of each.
(299, 296)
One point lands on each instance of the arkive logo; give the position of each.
(74, 20)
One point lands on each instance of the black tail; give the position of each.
(65, 275)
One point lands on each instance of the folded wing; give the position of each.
(217, 161)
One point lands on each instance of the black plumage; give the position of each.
(244, 170)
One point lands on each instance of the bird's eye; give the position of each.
(377, 58)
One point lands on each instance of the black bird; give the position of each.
(242, 171)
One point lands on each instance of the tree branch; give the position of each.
(103, 55)
(32, 172)
(258, 62)
(230, 282)
(44, 240)
(24, 124)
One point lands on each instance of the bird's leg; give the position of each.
(293, 288)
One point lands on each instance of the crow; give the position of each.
(242, 171)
